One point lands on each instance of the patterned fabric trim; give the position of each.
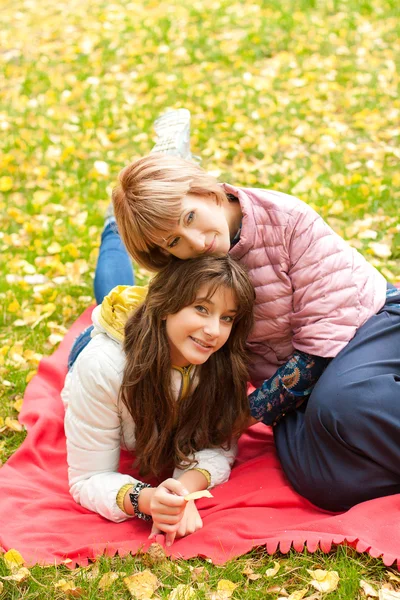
(292, 383)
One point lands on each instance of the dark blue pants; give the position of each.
(343, 446)
(114, 267)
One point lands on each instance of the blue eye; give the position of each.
(201, 309)
(190, 217)
(227, 319)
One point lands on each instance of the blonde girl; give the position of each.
(325, 348)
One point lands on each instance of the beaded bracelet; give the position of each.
(134, 498)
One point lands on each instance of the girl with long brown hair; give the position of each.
(164, 374)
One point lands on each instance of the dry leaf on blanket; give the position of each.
(198, 495)
(368, 589)
(107, 580)
(324, 581)
(142, 585)
(13, 559)
(183, 591)
(274, 570)
(18, 576)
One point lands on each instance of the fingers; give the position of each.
(175, 487)
(154, 531)
(170, 538)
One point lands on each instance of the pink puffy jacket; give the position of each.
(313, 291)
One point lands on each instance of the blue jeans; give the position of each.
(114, 267)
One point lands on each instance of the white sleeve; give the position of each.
(217, 461)
(93, 432)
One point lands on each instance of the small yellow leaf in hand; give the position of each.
(368, 589)
(13, 559)
(298, 594)
(13, 424)
(142, 585)
(198, 495)
(107, 580)
(182, 592)
(272, 572)
(324, 581)
(18, 576)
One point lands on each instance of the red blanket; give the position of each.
(255, 507)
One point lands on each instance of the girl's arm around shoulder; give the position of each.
(93, 428)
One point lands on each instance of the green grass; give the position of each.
(298, 96)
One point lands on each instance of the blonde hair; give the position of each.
(148, 202)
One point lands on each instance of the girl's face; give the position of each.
(199, 330)
(204, 227)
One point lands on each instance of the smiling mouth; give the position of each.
(211, 246)
(201, 343)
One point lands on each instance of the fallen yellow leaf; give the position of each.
(1, 587)
(368, 589)
(155, 555)
(54, 248)
(142, 585)
(13, 424)
(13, 558)
(18, 576)
(18, 404)
(14, 306)
(182, 591)
(379, 249)
(385, 594)
(274, 570)
(107, 580)
(225, 588)
(298, 594)
(324, 581)
(69, 588)
(198, 495)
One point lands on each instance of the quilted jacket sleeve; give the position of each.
(93, 432)
(323, 268)
(217, 461)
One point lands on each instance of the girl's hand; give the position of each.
(191, 520)
(167, 506)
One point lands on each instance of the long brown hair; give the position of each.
(148, 201)
(167, 430)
